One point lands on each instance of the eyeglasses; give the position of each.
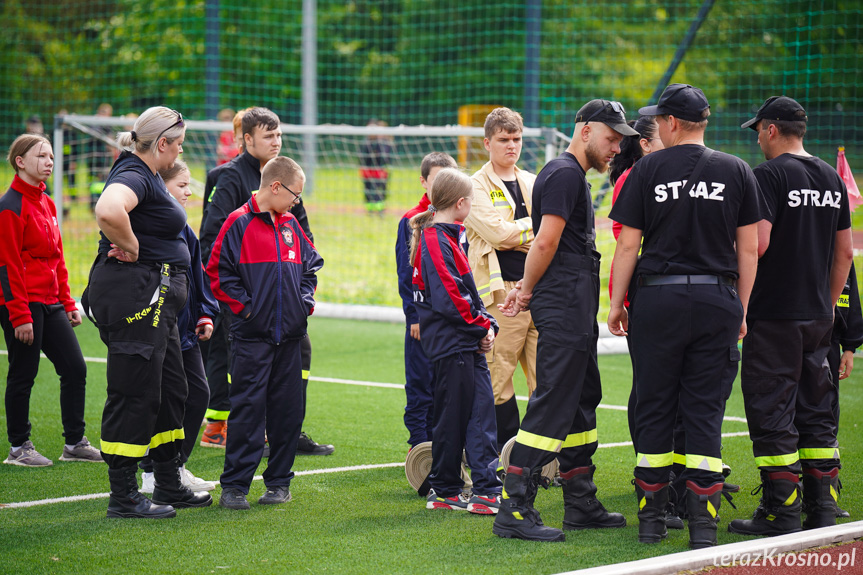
(296, 195)
(615, 106)
(179, 122)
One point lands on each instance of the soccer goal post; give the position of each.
(355, 236)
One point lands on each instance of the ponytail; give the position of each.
(448, 187)
(418, 223)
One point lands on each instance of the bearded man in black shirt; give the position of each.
(806, 251)
(561, 286)
(687, 304)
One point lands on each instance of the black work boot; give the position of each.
(582, 510)
(778, 512)
(820, 492)
(170, 489)
(126, 501)
(703, 503)
(517, 518)
(652, 503)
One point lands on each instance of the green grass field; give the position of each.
(360, 521)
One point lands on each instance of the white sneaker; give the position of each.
(148, 483)
(195, 483)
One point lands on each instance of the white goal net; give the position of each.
(356, 237)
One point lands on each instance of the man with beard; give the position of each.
(561, 286)
(693, 206)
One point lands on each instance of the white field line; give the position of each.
(74, 498)
(769, 550)
(397, 386)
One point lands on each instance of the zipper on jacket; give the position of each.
(279, 281)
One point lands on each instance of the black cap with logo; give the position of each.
(778, 108)
(681, 101)
(609, 113)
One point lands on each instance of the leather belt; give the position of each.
(676, 280)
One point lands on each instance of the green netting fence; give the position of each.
(418, 62)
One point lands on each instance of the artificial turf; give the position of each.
(359, 521)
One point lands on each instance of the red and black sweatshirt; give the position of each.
(451, 314)
(265, 272)
(404, 268)
(31, 252)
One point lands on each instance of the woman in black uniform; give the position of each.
(137, 286)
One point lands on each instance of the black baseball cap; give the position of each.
(681, 101)
(778, 108)
(609, 113)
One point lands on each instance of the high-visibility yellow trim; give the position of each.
(496, 195)
(642, 503)
(306, 374)
(654, 459)
(523, 237)
(167, 437)
(482, 291)
(502, 204)
(579, 439)
(834, 494)
(711, 508)
(791, 498)
(135, 450)
(126, 449)
(679, 458)
(819, 453)
(537, 441)
(777, 460)
(229, 377)
(217, 415)
(843, 301)
(495, 276)
(517, 515)
(694, 461)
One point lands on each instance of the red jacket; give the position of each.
(265, 272)
(32, 268)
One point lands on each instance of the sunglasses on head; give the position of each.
(615, 106)
(179, 122)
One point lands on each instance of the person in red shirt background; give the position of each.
(37, 312)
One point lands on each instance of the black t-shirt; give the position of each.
(511, 261)
(157, 221)
(700, 236)
(808, 204)
(561, 189)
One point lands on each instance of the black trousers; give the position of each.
(52, 334)
(463, 421)
(419, 391)
(266, 395)
(375, 190)
(218, 360)
(834, 357)
(146, 379)
(684, 339)
(789, 394)
(195, 406)
(560, 420)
